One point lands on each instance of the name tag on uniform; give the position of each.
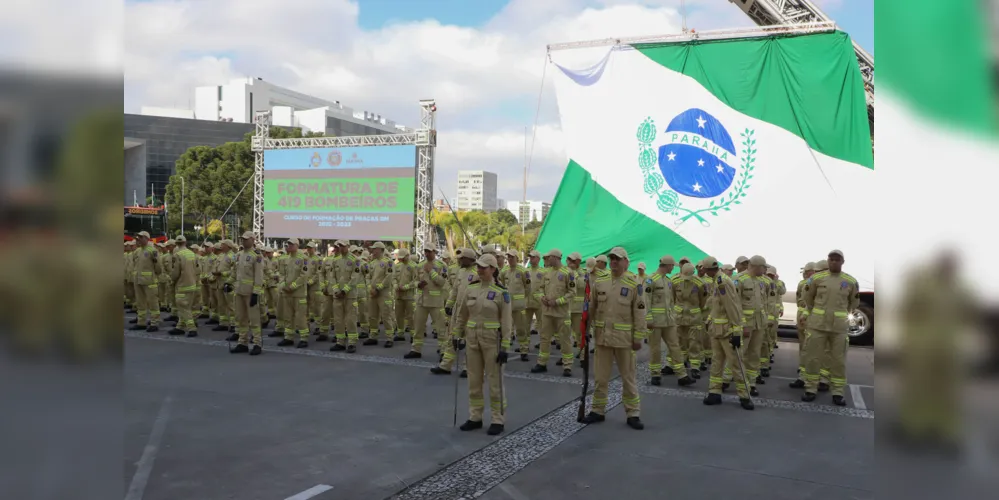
(624, 292)
(469, 277)
(248, 258)
(491, 295)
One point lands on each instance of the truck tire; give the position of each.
(862, 331)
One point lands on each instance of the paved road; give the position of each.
(308, 423)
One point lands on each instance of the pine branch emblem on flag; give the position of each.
(695, 157)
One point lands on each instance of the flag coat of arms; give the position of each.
(723, 147)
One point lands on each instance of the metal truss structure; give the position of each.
(425, 140)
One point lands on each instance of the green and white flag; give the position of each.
(724, 148)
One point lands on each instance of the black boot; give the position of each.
(152, 328)
(362, 335)
(746, 404)
(286, 342)
(412, 355)
(399, 338)
(176, 331)
(256, 350)
(232, 329)
(656, 380)
(523, 356)
(726, 385)
(322, 338)
(302, 344)
(233, 338)
(667, 370)
(685, 381)
(753, 392)
(839, 400)
(439, 371)
(567, 373)
(516, 349)
(463, 374)
(695, 373)
(797, 384)
(760, 381)
(712, 399)
(351, 349)
(370, 342)
(470, 425)
(388, 344)
(495, 429)
(558, 362)
(338, 347)
(133, 321)
(823, 387)
(220, 328)
(275, 334)
(192, 334)
(317, 331)
(635, 423)
(239, 348)
(172, 317)
(539, 369)
(137, 327)
(765, 372)
(808, 397)
(212, 321)
(592, 418)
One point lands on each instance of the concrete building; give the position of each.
(238, 100)
(476, 190)
(155, 138)
(500, 203)
(527, 211)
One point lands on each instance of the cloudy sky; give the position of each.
(482, 60)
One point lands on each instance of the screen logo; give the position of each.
(316, 160)
(334, 158)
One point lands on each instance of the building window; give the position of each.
(251, 105)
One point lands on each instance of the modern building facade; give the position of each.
(476, 190)
(527, 211)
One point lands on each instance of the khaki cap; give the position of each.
(836, 252)
(619, 252)
(143, 234)
(822, 265)
(511, 253)
(728, 267)
(667, 260)
(195, 247)
(248, 234)
(534, 253)
(809, 267)
(757, 260)
(687, 269)
(402, 253)
(341, 243)
(554, 253)
(709, 262)
(601, 258)
(684, 259)
(171, 242)
(429, 248)
(489, 250)
(486, 260)
(180, 239)
(312, 244)
(641, 265)
(740, 259)
(772, 270)
(378, 244)
(209, 245)
(292, 241)
(467, 253)
(355, 249)
(591, 262)
(575, 256)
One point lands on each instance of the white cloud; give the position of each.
(485, 79)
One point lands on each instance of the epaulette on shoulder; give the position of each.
(629, 281)
(849, 278)
(497, 287)
(603, 277)
(820, 274)
(698, 280)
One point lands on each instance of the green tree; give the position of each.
(534, 224)
(503, 217)
(213, 176)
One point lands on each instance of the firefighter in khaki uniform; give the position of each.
(660, 298)
(618, 314)
(271, 274)
(265, 302)
(800, 319)
(248, 275)
(776, 308)
(705, 339)
(147, 267)
(726, 332)
(184, 275)
(343, 273)
(431, 281)
(281, 323)
(484, 323)
(362, 292)
(218, 285)
(196, 304)
(752, 292)
(689, 300)
(405, 284)
(573, 262)
(314, 295)
(209, 307)
(455, 303)
(516, 280)
(229, 286)
(532, 314)
(293, 285)
(830, 297)
(768, 301)
(558, 287)
(380, 295)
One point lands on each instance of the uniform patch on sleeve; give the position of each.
(560, 277)
(624, 291)
(844, 285)
(260, 259)
(248, 258)
(506, 297)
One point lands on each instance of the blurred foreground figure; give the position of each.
(937, 310)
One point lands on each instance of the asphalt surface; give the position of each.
(307, 423)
